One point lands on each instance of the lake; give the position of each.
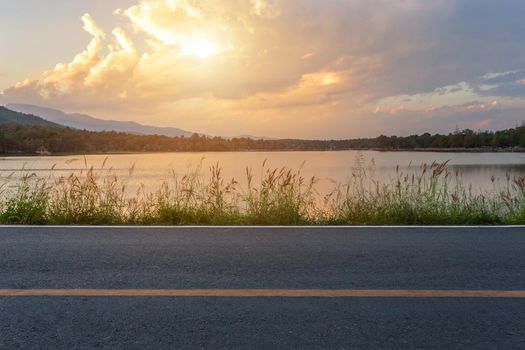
(152, 169)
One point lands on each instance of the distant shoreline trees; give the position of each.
(23, 139)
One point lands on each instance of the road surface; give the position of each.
(277, 288)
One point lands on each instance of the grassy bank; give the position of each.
(428, 195)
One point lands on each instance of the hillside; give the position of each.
(8, 116)
(87, 122)
(17, 136)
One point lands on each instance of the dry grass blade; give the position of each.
(426, 195)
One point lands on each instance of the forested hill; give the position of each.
(23, 134)
(8, 116)
(16, 138)
(87, 122)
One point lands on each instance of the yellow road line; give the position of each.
(262, 293)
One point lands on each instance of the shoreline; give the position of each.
(404, 150)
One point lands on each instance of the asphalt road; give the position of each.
(262, 258)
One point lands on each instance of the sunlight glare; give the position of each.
(199, 47)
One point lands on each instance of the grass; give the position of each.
(428, 195)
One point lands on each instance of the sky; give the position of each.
(280, 68)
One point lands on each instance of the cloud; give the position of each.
(87, 75)
(504, 84)
(65, 78)
(257, 52)
(218, 65)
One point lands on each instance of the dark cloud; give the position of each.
(428, 45)
(507, 84)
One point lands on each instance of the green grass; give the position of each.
(429, 195)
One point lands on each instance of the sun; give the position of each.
(199, 47)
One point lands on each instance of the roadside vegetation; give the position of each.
(427, 195)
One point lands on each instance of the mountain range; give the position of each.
(87, 122)
(17, 136)
(55, 117)
(8, 116)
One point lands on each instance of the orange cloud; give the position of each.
(215, 65)
(230, 50)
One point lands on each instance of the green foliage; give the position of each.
(424, 197)
(28, 206)
(16, 138)
(8, 116)
(429, 195)
(86, 200)
(282, 198)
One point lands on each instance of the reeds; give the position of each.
(428, 195)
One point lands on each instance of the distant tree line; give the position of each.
(15, 138)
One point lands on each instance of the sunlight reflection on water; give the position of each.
(329, 167)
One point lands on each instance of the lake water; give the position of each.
(152, 169)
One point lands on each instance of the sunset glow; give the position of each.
(223, 67)
(199, 47)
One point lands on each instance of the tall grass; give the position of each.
(427, 195)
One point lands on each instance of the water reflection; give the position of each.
(150, 170)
